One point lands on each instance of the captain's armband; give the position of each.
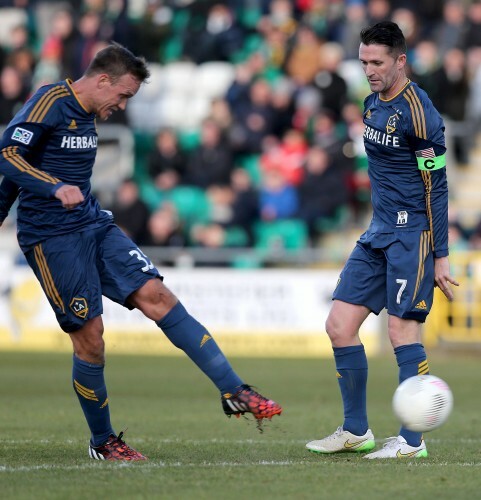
(427, 160)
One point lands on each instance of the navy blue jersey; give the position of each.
(52, 141)
(405, 146)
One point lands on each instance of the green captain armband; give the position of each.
(430, 163)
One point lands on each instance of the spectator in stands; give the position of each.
(355, 18)
(221, 38)
(283, 105)
(450, 32)
(130, 212)
(287, 156)
(331, 86)
(410, 25)
(116, 24)
(60, 45)
(19, 38)
(24, 61)
(326, 135)
(245, 205)
(322, 191)
(315, 14)
(13, 94)
(273, 46)
(474, 102)
(302, 61)
(377, 11)
(166, 163)
(255, 120)
(358, 179)
(237, 95)
(89, 35)
(453, 82)
(165, 228)
(221, 113)
(211, 162)
(473, 31)
(277, 198)
(224, 228)
(153, 30)
(426, 69)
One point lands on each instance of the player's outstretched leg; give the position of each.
(188, 334)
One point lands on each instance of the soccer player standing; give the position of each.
(404, 253)
(78, 254)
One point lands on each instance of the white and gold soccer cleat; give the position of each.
(343, 441)
(396, 447)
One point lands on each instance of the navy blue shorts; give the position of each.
(396, 273)
(76, 269)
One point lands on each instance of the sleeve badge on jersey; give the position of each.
(22, 135)
(79, 307)
(425, 153)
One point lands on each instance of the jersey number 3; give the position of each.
(143, 258)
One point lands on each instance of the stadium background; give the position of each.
(239, 168)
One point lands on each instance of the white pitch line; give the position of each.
(213, 465)
(257, 442)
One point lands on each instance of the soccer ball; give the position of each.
(422, 403)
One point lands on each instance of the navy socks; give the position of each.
(351, 365)
(412, 361)
(89, 385)
(190, 336)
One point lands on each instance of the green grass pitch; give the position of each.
(173, 415)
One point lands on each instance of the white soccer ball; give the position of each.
(422, 403)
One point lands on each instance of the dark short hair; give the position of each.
(385, 33)
(116, 60)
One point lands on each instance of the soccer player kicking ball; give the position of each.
(404, 253)
(78, 253)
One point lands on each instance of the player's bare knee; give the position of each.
(154, 300)
(332, 329)
(88, 342)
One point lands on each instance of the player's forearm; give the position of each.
(16, 169)
(437, 201)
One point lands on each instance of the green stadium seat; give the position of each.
(337, 221)
(192, 204)
(290, 234)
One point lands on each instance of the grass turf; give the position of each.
(173, 415)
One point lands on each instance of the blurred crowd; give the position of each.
(278, 160)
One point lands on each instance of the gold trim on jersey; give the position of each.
(69, 83)
(424, 247)
(419, 122)
(49, 285)
(428, 184)
(11, 154)
(417, 113)
(397, 93)
(44, 104)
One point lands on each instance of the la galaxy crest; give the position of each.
(79, 307)
(391, 123)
